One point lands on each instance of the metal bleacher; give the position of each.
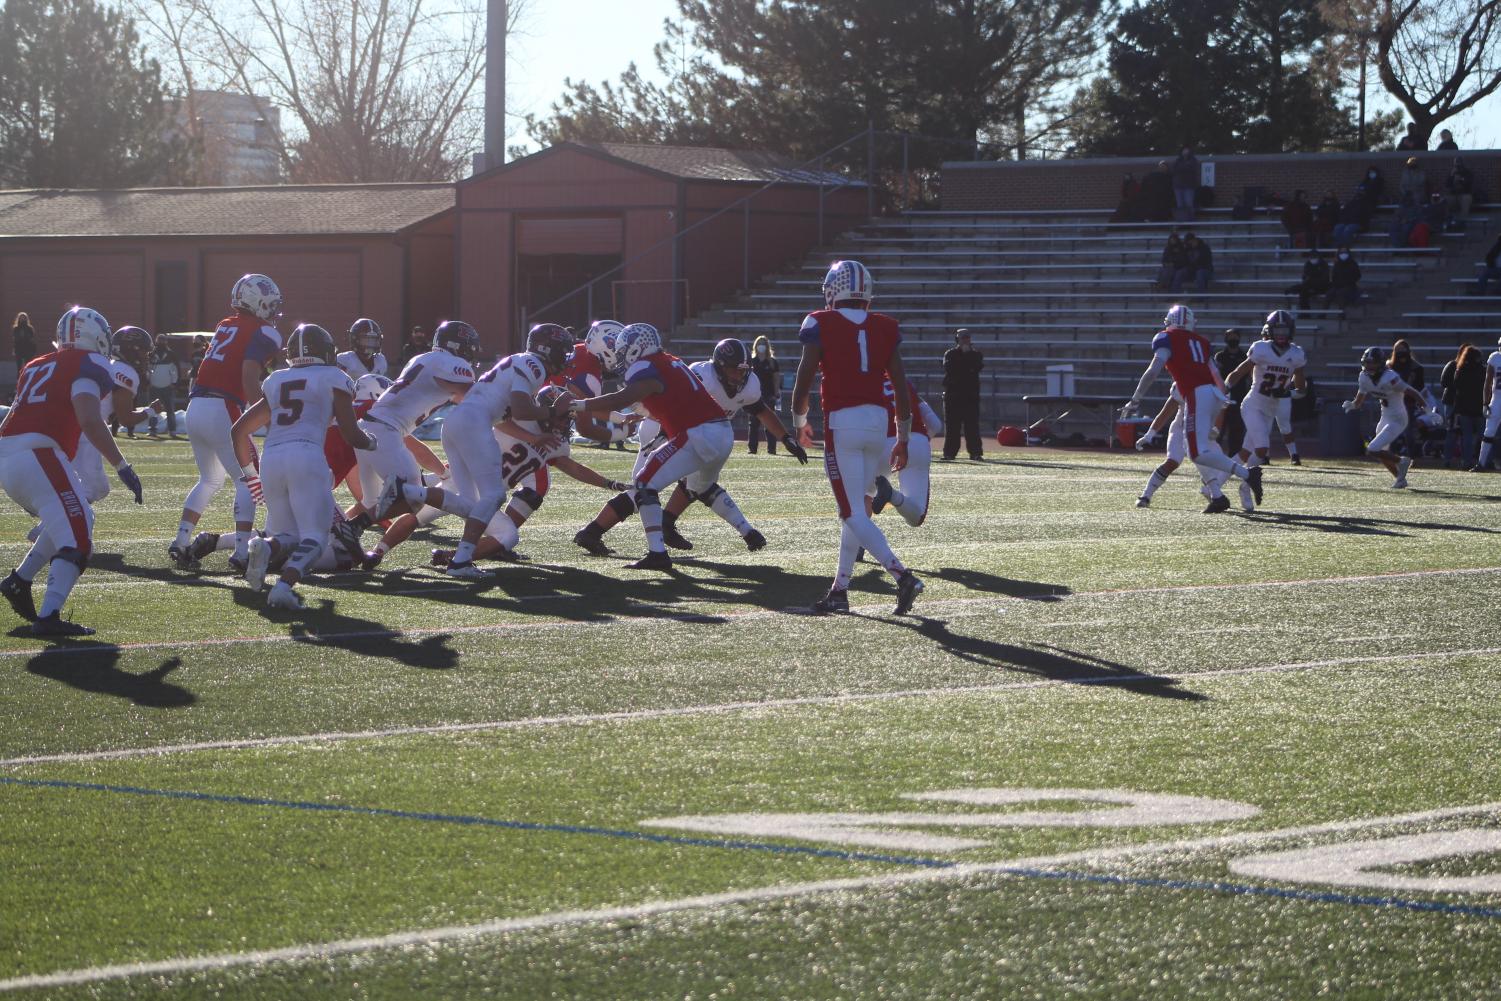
(1039, 289)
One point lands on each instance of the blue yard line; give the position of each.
(464, 819)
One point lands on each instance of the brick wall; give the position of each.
(1095, 183)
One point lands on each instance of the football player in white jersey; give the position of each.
(364, 356)
(1172, 419)
(726, 374)
(1275, 365)
(1492, 410)
(431, 379)
(1376, 380)
(296, 407)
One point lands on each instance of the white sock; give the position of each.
(464, 554)
(415, 494)
(848, 546)
(184, 533)
(1154, 483)
(724, 505)
(60, 581)
(242, 543)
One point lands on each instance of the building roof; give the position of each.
(282, 210)
(708, 163)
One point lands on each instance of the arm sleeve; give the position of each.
(934, 422)
(260, 348)
(809, 332)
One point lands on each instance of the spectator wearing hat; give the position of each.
(961, 397)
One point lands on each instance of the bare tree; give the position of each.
(1438, 57)
(369, 90)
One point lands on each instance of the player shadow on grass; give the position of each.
(762, 585)
(1348, 525)
(1046, 661)
(98, 672)
(988, 583)
(320, 623)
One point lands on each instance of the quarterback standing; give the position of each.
(856, 351)
(364, 356)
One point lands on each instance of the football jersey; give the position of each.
(1494, 364)
(240, 338)
(731, 405)
(416, 393)
(919, 423)
(338, 452)
(856, 347)
(582, 376)
(350, 362)
(1188, 358)
(491, 395)
(45, 391)
(1388, 387)
(1272, 371)
(125, 377)
(302, 403)
(519, 459)
(684, 403)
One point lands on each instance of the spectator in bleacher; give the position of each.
(23, 341)
(1405, 365)
(1404, 221)
(1186, 185)
(1492, 269)
(1413, 140)
(1315, 281)
(1436, 215)
(1446, 140)
(1373, 186)
(1172, 259)
(1461, 187)
(1463, 382)
(1344, 280)
(1325, 218)
(1129, 209)
(1297, 219)
(769, 373)
(1156, 198)
(1352, 219)
(1226, 360)
(1198, 264)
(1412, 186)
(415, 344)
(961, 397)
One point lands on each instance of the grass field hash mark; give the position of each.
(1034, 868)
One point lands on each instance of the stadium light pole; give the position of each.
(495, 87)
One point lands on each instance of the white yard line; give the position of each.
(584, 719)
(458, 933)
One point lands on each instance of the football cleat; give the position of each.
(908, 587)
(466, 571)
(237, 566)
(1403, 465)
(1218, 505)
(203, 543)
(1264, 462)
(179, 557)
(1400, 483)
(883, 495)
(390, 498)
(591, 542)
(1247, 499)
(1143, 502)
(257, 561)
(53, 625)
(754, 540)
(1254, 482)
(371, 560)
(1295, 460)
(837, 600)
(673, 538)
(17, 591)
(652, 561)
(283, 596)
(440, 557)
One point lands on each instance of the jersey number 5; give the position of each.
(289, 407)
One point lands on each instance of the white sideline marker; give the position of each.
(458, 933)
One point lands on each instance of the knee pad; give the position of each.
(73, 555)
(709, 496)
(623, 504)
(647, 498)
(531, 498)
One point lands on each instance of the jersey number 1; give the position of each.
(1196, 351)
(864, 352)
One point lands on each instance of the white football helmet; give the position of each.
(83, 329)
(636, 342)
(847, 281)
(257, 295)
(370, 386)
(603, 342)
(1180, 316)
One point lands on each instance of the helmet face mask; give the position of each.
(365, 338)
(731, 363)
(552, 343)
(603, 342)
(637, 341)
(83, 329)
(847, 282)
(132, 345)
(310, 344)
(258, 296)
(457, 338)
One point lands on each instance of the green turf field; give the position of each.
(1115, 753)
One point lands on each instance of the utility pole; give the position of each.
(494, 154)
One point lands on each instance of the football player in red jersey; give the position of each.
(595, 357)
(57, 402)
(1185, 354)
(697, 436)
(229, 381)
(856, 351)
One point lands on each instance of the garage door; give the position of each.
(47, 285)
(320, 287)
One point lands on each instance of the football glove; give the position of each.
(1146, 441)
(1349, 406)
(1129, 410)
(798, 452)
(251, 477)
(369, 442)
(130, 479)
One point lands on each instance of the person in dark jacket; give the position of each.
(1129, 209)
(961, 397)
(1173, 258)
(1226, 360)
(1492, 270)
(1463, 383)
(1352, 219)
(416, 343)
(1414, 141)
(1325, 218)
(1198, 264)
(1405, 365)
(1186, 185)
(1315, 280)
(1460, 184)
(1156, 198)
(1372, 186)
(1344, 280)
(1297, 219)
(23, 340)
(769, 373)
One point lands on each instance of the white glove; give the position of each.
(370, 439)
(1150, 438)
(1129, 410)
(1349, 406)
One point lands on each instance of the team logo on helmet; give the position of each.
(457, 338)
(257, 295)
(603, 342)
(310, 344)
(84, 329)
(847, 281)
(551, 343)
(1180, 316)
(637, 341)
